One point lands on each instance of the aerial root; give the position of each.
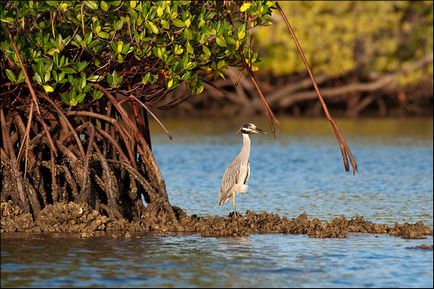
(97, 160)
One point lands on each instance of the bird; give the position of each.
(237, 174)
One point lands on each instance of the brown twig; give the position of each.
(152, 114)
(119, 108)
(68, 123)
(272, 119)
(346, 152)
(32, 92)
(240, 74)
(25, 139)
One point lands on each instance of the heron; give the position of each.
(237, 174)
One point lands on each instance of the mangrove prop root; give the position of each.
(94, 155)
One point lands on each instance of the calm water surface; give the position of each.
(299, 171)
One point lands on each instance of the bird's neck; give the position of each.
(245, 150)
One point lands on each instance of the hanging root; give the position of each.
(345, 149)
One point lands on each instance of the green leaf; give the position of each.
(189, 66)
(165, 24)
(64, 97)
(38, 78)
(118, 24)
(7, 19)
(178, 50)
(206, 51)
(199, 89)
(91, 4)
(221, 41)
(68, 70)
(146, 78)
(109, 79)
(95, 78)
(47, 76)
(103, 34)
(55, 76)
(11, 76)
(63, 7)
(20, 77)
(153, 27)
(83, 82)
(81, 65)
(221, 64)
(245, 6)
(120, 58)
(80, 97)
(188, 34)
(73, 102)
(241, 32)
(159, 11)
(230, 40)
(97, 94)
(119, 47)
(89, 38)
(104, 6)
(190, 48)
(62, 61)
(48, 88)
(178, 23)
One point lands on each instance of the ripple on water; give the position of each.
(299, 172)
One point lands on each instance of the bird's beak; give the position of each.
(258, 130)
(238, 131)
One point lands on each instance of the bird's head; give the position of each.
(250, 128)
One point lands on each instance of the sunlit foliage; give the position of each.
(367, 37)
(69, 45)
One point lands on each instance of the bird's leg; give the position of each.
(234, 204)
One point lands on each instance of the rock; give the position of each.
(81, 219)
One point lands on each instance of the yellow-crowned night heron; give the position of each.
(237, 174)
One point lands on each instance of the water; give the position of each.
(300, 171)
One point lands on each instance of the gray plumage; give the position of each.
(237, 174)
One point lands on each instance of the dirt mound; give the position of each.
(81, 219)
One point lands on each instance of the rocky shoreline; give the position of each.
(84, 222)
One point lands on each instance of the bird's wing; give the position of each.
(230, 178)
(248, 173)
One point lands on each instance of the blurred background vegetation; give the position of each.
(371, 58)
